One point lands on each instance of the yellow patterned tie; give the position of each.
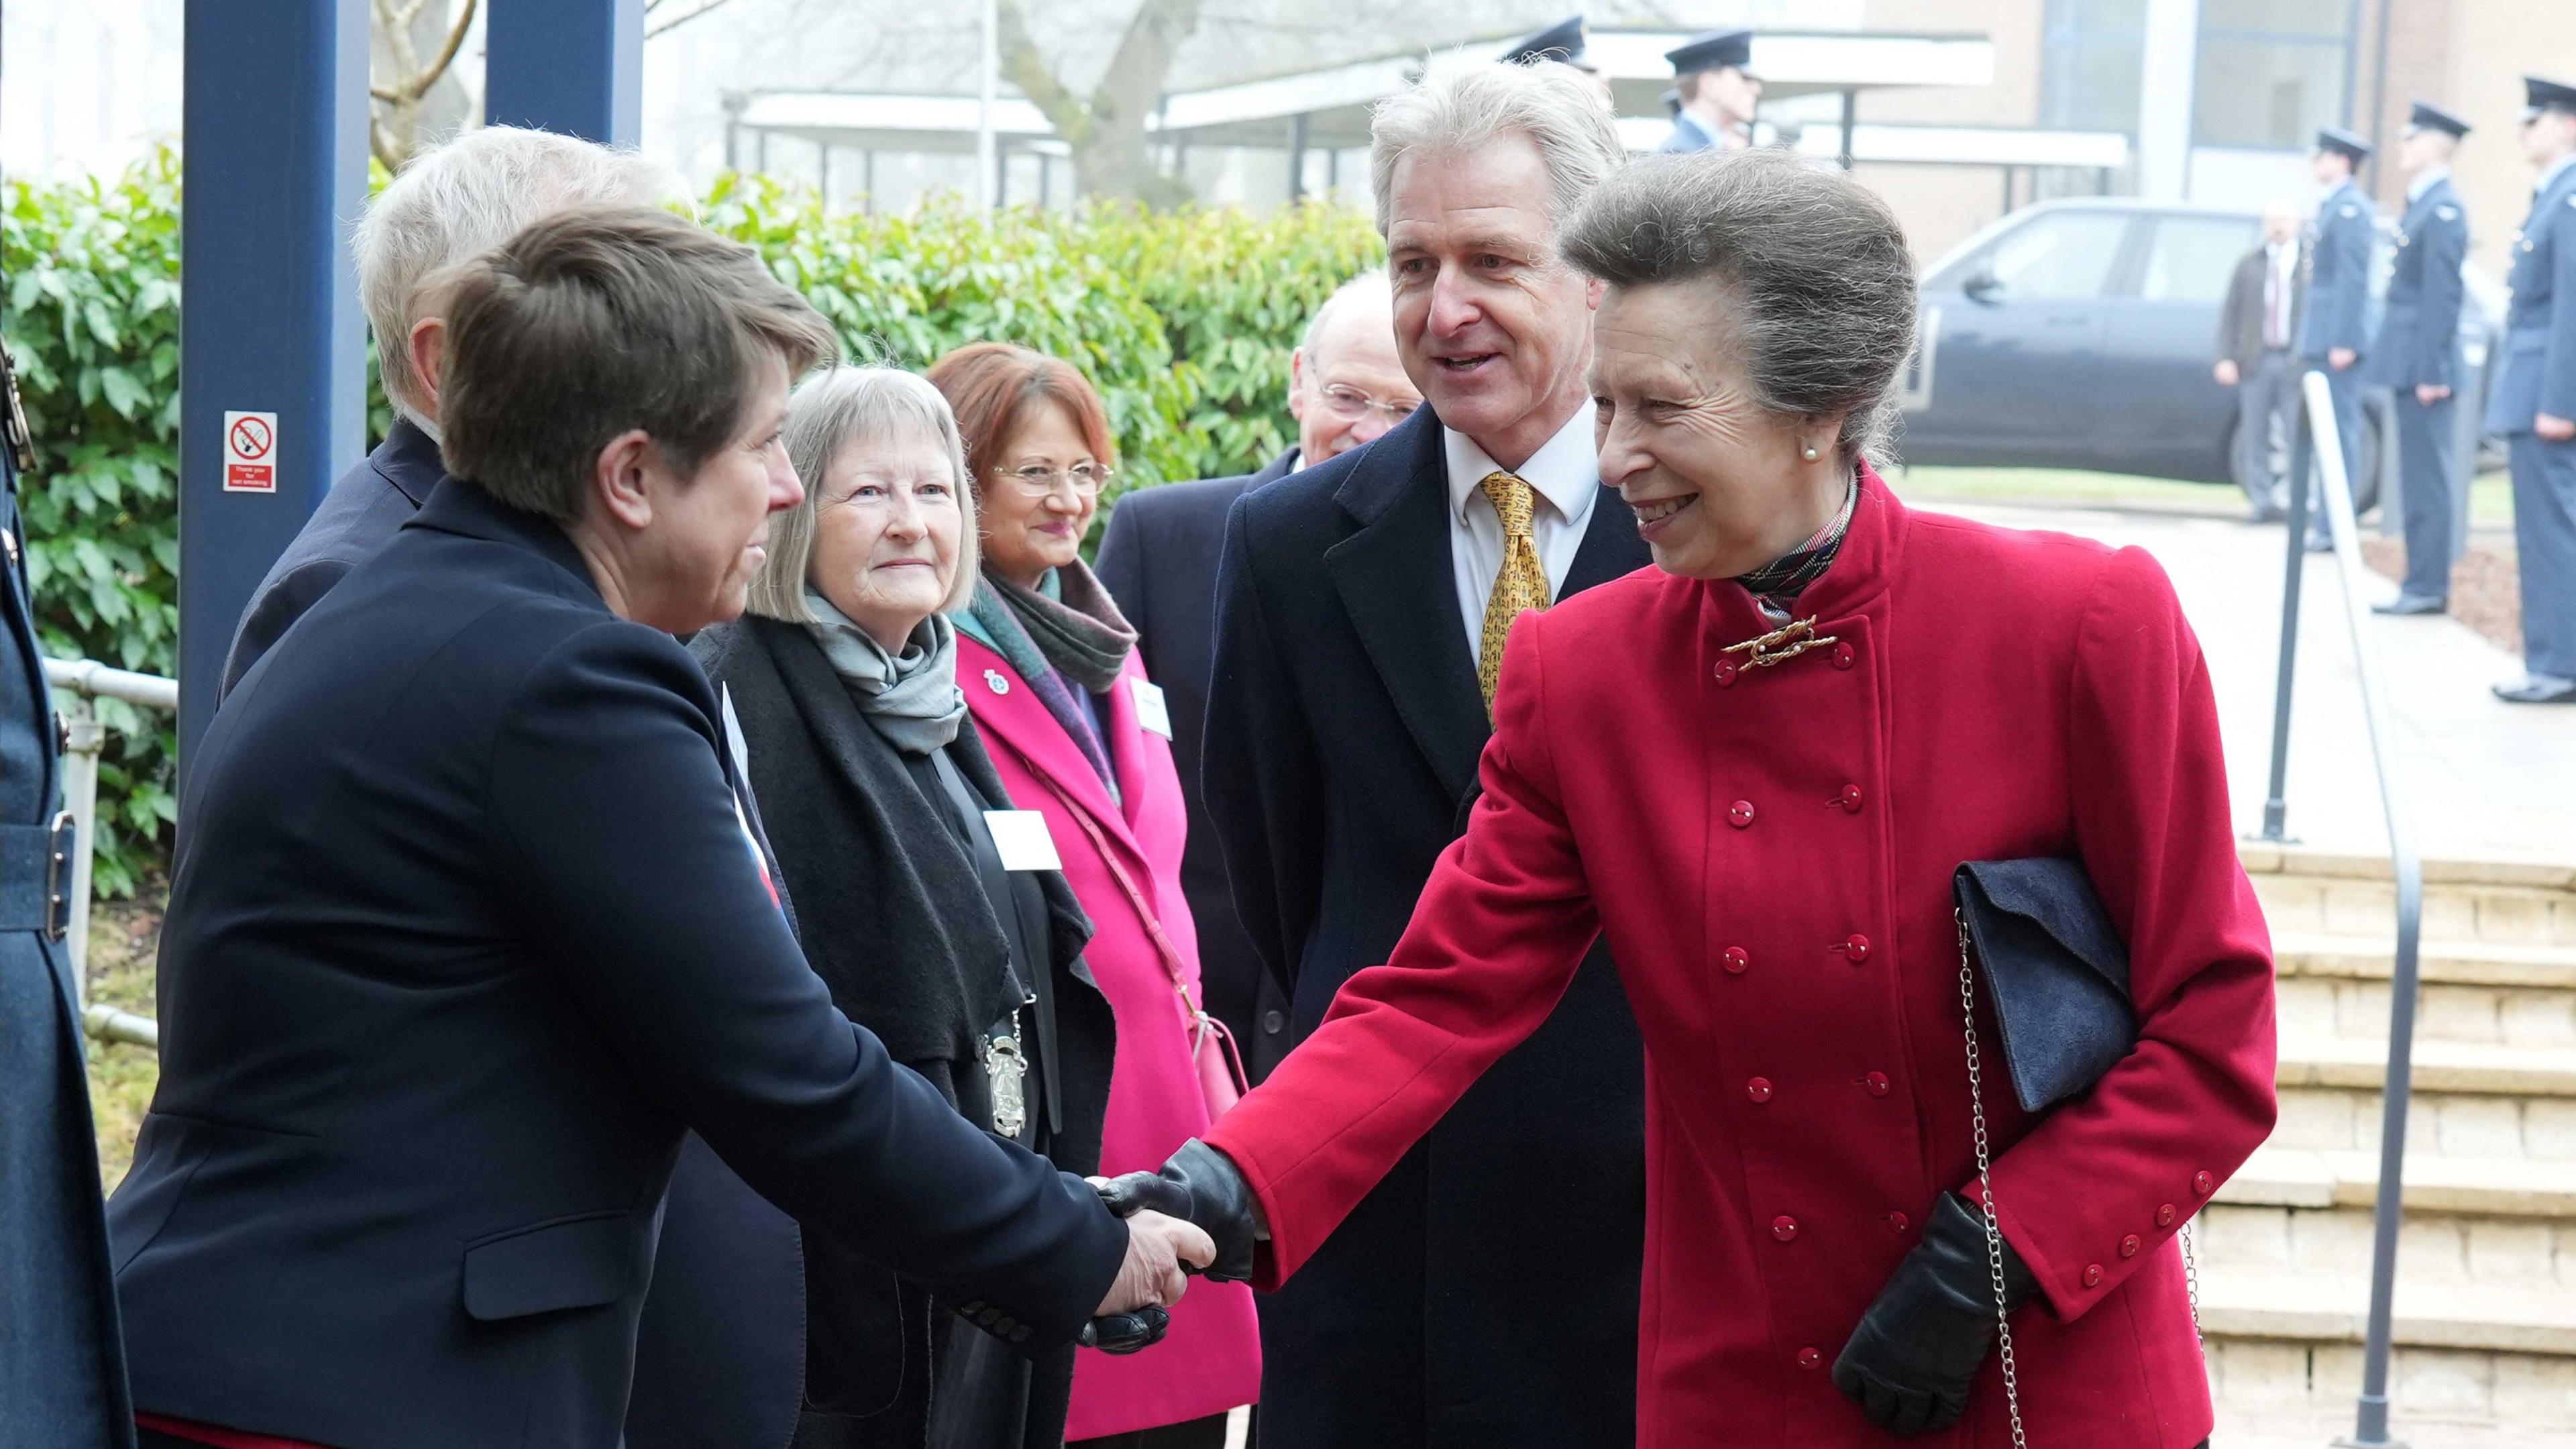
(1522, 583)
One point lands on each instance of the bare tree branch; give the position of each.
(653, 27)
(1026, 67)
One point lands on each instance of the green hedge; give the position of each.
(1184, 320)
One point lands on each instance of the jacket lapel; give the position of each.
(1015, 718)
(1397, 582)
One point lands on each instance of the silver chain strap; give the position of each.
(1986, 1190)
(1985, 1182)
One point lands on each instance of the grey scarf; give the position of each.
(912, 700)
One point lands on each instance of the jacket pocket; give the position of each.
(576, 1262)
(167, 1153)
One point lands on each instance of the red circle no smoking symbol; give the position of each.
(251, 440)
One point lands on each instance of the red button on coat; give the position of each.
(1843, 656)
(1899, 1221)
(2129, 1246)
(1735, 960)
(1784, 1228)
(1877, 1084)
(1740, 814)
(2165, 1216)
(1856, 949)
(2203, 1183)
(1726, 672)
(1850, 799)
(1759, 1089)
(1808, 1358)
(2092, 1275)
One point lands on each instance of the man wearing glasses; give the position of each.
(1158, 559)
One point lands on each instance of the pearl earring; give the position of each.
(1808, 452)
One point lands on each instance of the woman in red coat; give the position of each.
(1080, 738)
(1755, 768)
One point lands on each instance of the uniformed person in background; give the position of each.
(2533, 402)
(2416, 355)
(62, 1359)
(2332, 336)
(1562, 42)
(1714, 74)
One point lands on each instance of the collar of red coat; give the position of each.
(1859, 576)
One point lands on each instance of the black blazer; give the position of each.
(464, 930)
(360, 515)
(1458, 1306)
(1158, 559)
(897, 922)
(2240, 316)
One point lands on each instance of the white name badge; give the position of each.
(1151, 711)
(1021, 837)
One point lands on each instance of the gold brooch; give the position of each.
(1786, 642)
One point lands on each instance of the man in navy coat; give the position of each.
(2416, 354)
(2534, 400)
(2333, 334)
(1357, 613)
(1345, 387)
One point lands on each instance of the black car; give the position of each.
(2080, 334)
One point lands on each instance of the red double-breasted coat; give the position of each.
(1769, 851)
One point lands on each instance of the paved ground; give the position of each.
(2485, 778)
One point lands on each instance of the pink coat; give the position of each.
(1212, 1360)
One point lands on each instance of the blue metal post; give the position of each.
(275, 170)
(574, 66)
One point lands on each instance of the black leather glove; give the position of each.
(1126, 1332)
(1909, 1363)
(1203, 1186)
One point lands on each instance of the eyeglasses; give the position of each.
(1350, 405)
(1038, 480)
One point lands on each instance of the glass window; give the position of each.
(2094, 51)
(2270, 72)
(2193, 258)
(2058, 256)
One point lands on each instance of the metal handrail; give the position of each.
(2371, 1420)
(85, 681)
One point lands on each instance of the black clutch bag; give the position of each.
(2056, 971)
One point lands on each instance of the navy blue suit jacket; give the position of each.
(465, 930)
(2539, 353)
(358, 516)
(2419, 336)
(2340, 240)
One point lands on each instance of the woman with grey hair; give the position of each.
(961, 958)
(1756, 769)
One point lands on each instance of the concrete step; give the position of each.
(2541, 1015)
(2452, 1124)
(2527, 902)
(2507, 1222)
(2546, 966)
(2289, 1394)
(2472, 1068)
(2494, 1187)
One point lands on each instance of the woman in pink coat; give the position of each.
(1081, 738)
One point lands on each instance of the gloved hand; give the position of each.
(1125, 1332)
(1200, 1185)
(1909, 1363)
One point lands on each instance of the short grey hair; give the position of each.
(1375, 281)
(1461, 103)
(1814, 264)
(467, 197)
(834, 409)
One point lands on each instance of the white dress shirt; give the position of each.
(2416, 188)
(1565, 474)
(2281, 269)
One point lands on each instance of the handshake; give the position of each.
(1196, 1215)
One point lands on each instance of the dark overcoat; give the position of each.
(1158, 559)
(896, 921)
(1461, 1305)
(62, 1370)
(466, 931)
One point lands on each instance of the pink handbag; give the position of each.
(1212, 1047)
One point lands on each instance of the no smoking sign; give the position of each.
(250, 452)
